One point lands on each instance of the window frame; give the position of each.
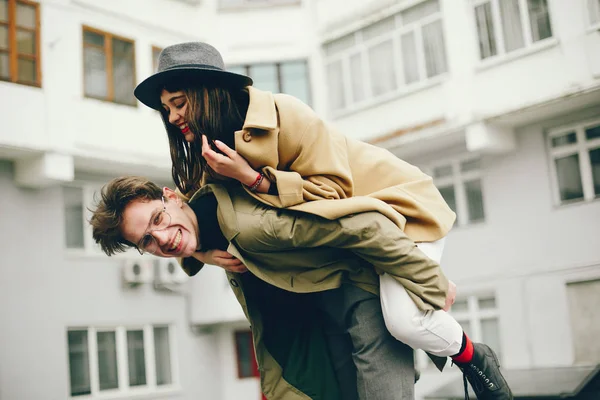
(124, 389)
(457, 180)
(12, 51)
(581, 147)
(529, 44)
(244, 4)
(247, 68)
(108, 45)
(362, 46)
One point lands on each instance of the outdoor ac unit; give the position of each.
(137, 271)
(168, 272)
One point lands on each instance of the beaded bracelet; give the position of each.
(256, 183)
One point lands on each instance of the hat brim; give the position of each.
(148, 91)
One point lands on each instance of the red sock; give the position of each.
(465, 354)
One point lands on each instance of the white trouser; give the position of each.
(435, 332)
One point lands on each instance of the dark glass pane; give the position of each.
(4, 37)
(107, 360)
(356, 77)
(512, 27)
(487, 303)
(93, 38)
(123, 72)
(443, 171)
(382, 68)
(490, 334)
(74, 220)
(435, 49)
(474, 200)
(265, 77)
(79, 366)
(26, 71)
(569, 178)
(94, 65)
(243, 342)
(539, 18)
(460, 306)
(470, 165)
(162, 354)
(136, 358)
(294, 80)
(595, 161)
(26, 42)
(592, 133)
(409, 57)
(564, 140)
(448, 195)
(4, 10)
(335, 86)
(4, 66)
(485, 30)
(25, 16)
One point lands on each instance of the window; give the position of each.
(386, 57)
(594, 13)
(459, 182)
(155, 53)
(224, 4)
(99, 356)
(575, 156)
(584, 311)
(504, 26)
(246, 359)
(109, 67)
(74, 219)
(479, 317)
(20, 42)
(290, 77)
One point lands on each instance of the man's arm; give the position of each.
(372, 237)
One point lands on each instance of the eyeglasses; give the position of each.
(159, 221)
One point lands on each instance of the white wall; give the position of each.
(44, 291)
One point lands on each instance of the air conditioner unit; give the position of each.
(168, 272)
(137, 271)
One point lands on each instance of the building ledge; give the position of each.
(576, 382)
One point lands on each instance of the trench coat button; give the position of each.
(247, 136)
(233, 283)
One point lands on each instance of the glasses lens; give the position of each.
(165, 221)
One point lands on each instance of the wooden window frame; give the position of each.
(108, 44)
(13, 52)
(245, 335)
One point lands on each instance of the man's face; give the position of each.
(178, 239)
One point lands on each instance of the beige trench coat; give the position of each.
(310, 162)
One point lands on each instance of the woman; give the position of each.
(220, 127)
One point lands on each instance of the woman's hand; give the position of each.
(221, 259)
(450, 296)
(229, 164)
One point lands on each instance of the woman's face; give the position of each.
(175, 105)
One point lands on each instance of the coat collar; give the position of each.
(225, 210)
(262, 113)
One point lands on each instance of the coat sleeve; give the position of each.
(372, 237)
(313, 161)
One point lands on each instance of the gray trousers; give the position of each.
(365, 355)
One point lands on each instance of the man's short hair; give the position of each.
(108, 214)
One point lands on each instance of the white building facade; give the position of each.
(499, 100)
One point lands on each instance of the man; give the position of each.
(327, 290)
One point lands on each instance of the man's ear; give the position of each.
(171, 195)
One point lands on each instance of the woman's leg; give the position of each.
(435, 332)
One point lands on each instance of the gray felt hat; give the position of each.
(187, 62)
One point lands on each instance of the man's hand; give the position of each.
(451, 296)
(229, 164)
(221, 259)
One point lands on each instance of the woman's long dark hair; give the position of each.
(216, 112)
